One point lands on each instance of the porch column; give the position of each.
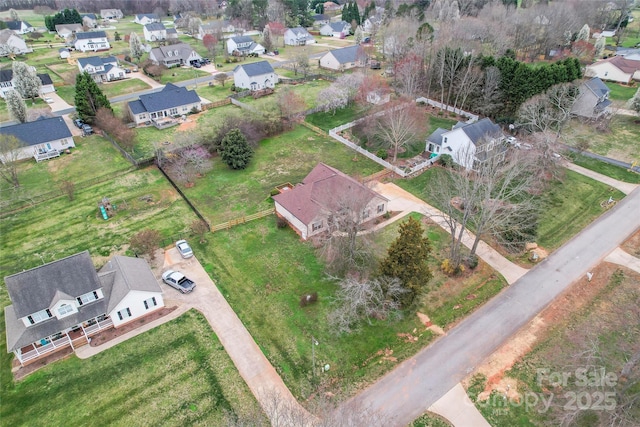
(18, 355)
(70, 341)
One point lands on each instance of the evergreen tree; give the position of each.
(355, 13)
(407, 260)
(234, 150)
(135, 46)
(89, 98)
(67, 16)
(16, 106)
(346, 12)
(26, 81)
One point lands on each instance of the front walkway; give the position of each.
(620, 257)
(401, 200)
(458, 409)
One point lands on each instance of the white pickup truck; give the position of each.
(177, 280)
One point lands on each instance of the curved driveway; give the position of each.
(407, 391)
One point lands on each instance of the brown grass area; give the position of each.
(632, 244)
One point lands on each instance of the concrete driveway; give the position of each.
(263, 380)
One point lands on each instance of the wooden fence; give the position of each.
(227, 225)
(216, 104)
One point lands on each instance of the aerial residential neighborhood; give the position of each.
(353, 212)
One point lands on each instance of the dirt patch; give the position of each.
(424, 319)
(632, 245)
(577, 296)
(190, 124)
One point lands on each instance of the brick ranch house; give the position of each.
(309, 206)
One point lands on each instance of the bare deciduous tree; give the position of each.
(146, 242)
(10, 147)
(400, 124)
(364, 300)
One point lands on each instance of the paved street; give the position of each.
(411, 388)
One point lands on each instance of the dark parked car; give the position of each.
(197, 65)
(87, 130)
(178, 281)
(79, 123)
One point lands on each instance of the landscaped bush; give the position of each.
(281, 222)
(472, 262)
(446, 160)
(449, 269)
(382, 153)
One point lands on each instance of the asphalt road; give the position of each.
(407, 391)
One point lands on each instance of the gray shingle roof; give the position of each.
(39, 131)
(256, 68)
(597, 87)
(339, 26)
(34, 290)
(7, 76)
(480, 129)
(170, 96)
(184, 51)
(16, 25)
(155, 26)
(346, 54)
(128, 274)
(148, 15)
(436, 136)
(97, 61)
(91, 35)
(242, 39)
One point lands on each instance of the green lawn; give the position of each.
(178, 74)
(620, 92)
(620, 142)
(567, 206)
(123, 87)
(436, 122)
(262, 269)
(327, 121)
(215, 91)
(224, 194)
(308, 92)
(616, 172)
(176, 374)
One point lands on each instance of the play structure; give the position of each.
(106, 208)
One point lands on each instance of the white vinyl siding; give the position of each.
(151, 302)
(124, 314)
(64, 310)
(39, 316)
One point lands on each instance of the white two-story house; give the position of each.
(255, 76)
(243, 45)
(154, 32)
(92, 41)
(101, 69)
(468, 143)
(63, 303)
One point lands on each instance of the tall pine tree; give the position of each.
(407, 260)
(89, 98)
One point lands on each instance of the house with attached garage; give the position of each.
(19, 27)
(255, 76)
(616, 69)
(592, 100)
(66, 30)
(171, 101)
(111, 14)
(155, 32)
(89, 20)
(243, 45)
(298, 36)
(12, 44)
(336, 29)
(92, 41)
(174, 55)
(468, 143)
(146, 18)
(101, 69)
(344, 58)
(63, 303)
(310, 206)
(6, 82)
(41, 139)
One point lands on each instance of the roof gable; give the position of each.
(481, 129)
(128, 274)
(346, 54)
(256, 68)
(170, 96)
(155, 26)
(596, 86)
(320, 190)
(34, 290)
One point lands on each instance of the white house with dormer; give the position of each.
(101, 69)
(468, 143)
(154, 32)
(63, 303)
(243, 45)
(298, 36)
(146, 18)
(92, 41)
(255, 76)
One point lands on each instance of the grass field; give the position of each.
(224, 194)
(308, 92)
(123, 87)
(567, 205)
(59, 227)
(176, 374)
(265, 287)
(595, 339)
(620, 142)
(327, 121)
(620, 92)
(616, 172)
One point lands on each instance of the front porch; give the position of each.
(46, 155)
(74, 337)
